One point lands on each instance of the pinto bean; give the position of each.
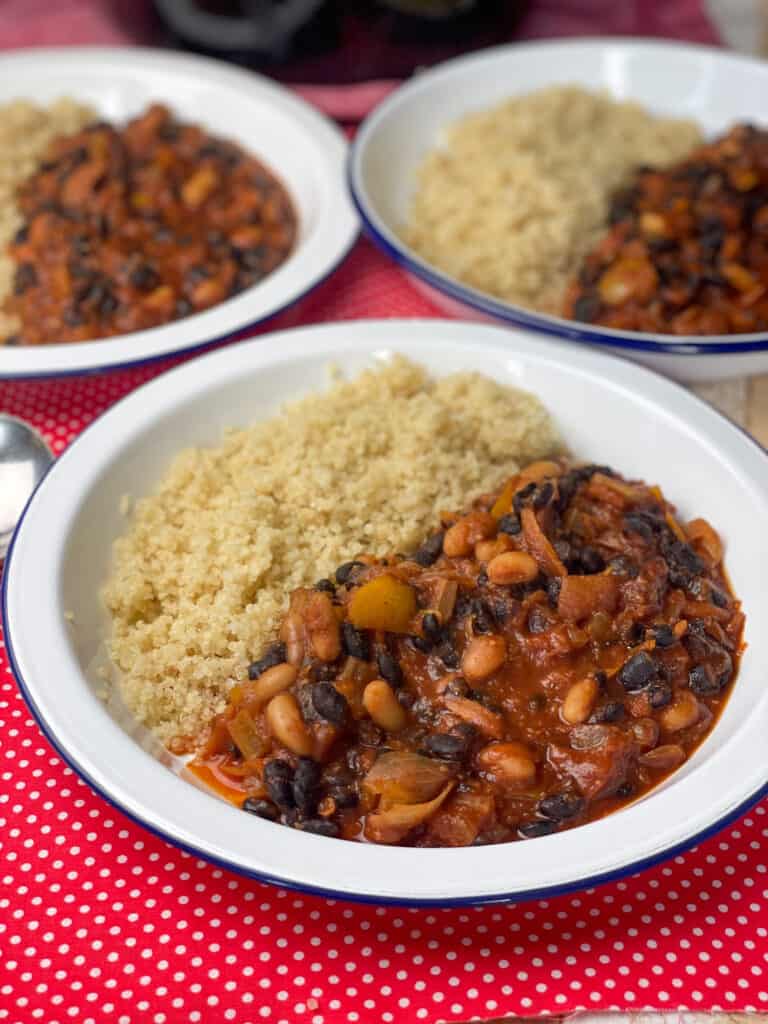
(284, 719)
(510, 763)
(683, 712)
(275, 680)
(512, 567)
(461, 538)
(580, 701)
(483, 656)
(381, 703)
(664, 758)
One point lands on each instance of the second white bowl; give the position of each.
(712, 87)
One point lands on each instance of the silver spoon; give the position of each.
(24, 459)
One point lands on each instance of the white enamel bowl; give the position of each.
(607, 409)
(304, 149)
(712, 87)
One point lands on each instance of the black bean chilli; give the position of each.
(129, 228)
(540, 661)
(687, 252)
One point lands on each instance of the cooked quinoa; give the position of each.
(207, 563)
(517, 195)
(26, 130)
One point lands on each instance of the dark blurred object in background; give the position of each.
(338, 40)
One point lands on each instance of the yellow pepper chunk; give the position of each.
(503, 503)
(384, 603)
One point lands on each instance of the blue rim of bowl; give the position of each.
(198, 348)
(505, 312)
(546, 892)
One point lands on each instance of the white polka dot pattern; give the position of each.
(102, 922)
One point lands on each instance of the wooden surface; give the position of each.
(757, 408)
(744, 400)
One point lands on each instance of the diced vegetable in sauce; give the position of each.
(131, 228)
(687, 252)
(430, 701)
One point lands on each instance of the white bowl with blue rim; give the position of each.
(608, 410)
(713, 87)
(301, 146)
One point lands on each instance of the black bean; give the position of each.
(145, 277)
(81, 246)
(534, 829)
(587, 307)
(197, 273)
(457, 687)
(561, 806)
(24, 278)
(622, 566)
(163, 234)
(274, 655)
(320, 827)
(448, 654)
(637, 524)
(277, 779)
(306, 779)
(662, 634)
(304, 697)
(345, 571)
(446, 745)
(183, 307)
(591, 561)
(431, 627)
(430, 550)
(554, 583)
(13, 340)
(537, 702)
(325, 586)
(21, 235)
(544, 494)
(261, 808)
(72, 318)
(344, 796)
(107, 303)
(323, 672)
(523, 497)
(636, 673)
(355, 641)
(509, 524)
(482, 616)
(612, 711)
(703, 681)
(659, 695)
(634, 633)
(420, 644)
(253, 258)
(388, 667)
(563, 550)
(538, 620)
(625, 789)
(329, 703)
(718, 598)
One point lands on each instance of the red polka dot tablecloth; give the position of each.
(103, 923)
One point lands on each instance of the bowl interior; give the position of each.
(670, 80)
(607, 411)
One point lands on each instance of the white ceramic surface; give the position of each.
(608, 410)
(712, 87)
(304, 149)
